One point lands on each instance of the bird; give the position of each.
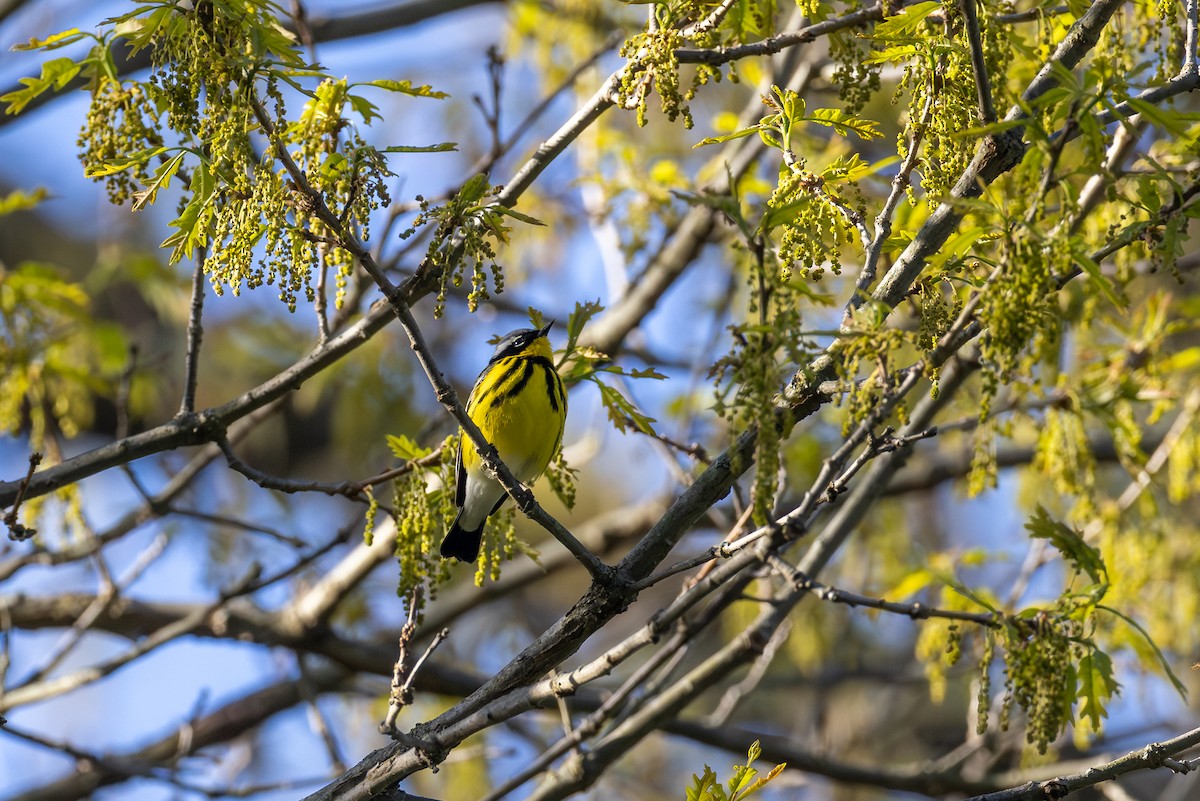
(520, 406)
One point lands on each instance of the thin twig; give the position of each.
(593, 722)
(775, 44)
(883, 222)
(983, 84)
(399, 698)
(103, 601)
(732, 696)
(914, 610)
(17, 531)
(195, 334)
(323, 729)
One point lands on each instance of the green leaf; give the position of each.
(729, 137)
(56, 73)
(905, 24)
(364, 108)
(645, 372)
(440, 147)
(972, 595)
(1096, 686)
(985, 130)
(122, 163)
(19, 200)
(1173, 122)
(18, 99)
(516, 215)
(1083, 557)
(404, 448)
(761, 781)
(575, 322)
(845, 124)
(740, 780)
(846, 168)
(406, 88)
(193, 223)
(162, 179)
(1162, 659)
(60, 71)
(473, 189)
(102, 56)
(723, 202)
(895, 54)
(621, 410)
(781, 215)
(705, 787)
(60, 39)
(1092, 269)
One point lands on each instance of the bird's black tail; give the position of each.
(462, 544)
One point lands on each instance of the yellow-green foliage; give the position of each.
(749, 378)
(653, 61)
(420, 516)
(53, 354)
(744, 780)
(55, 359)
(1056, 672)
(806, 222)
(212, 113)
(469, 226)
(939, 642)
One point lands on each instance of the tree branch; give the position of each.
(1153, 756)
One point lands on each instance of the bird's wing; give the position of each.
(460, 478)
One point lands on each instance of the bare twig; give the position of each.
(319, 723)
(883, 222)
(401, 695)
(102, 603)
(983, 84)
(17, 531)
(914, 610)
(758, 670)
(591, 725)
(195, 334)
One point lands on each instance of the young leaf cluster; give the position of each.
(653, 60)
(744, 780)
(469, 227)
(55, 358)
(212, 113)
(582, 363)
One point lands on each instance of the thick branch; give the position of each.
(995, 156)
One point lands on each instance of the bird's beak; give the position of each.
(542, 332)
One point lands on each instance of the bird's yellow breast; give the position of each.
(520, 406)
